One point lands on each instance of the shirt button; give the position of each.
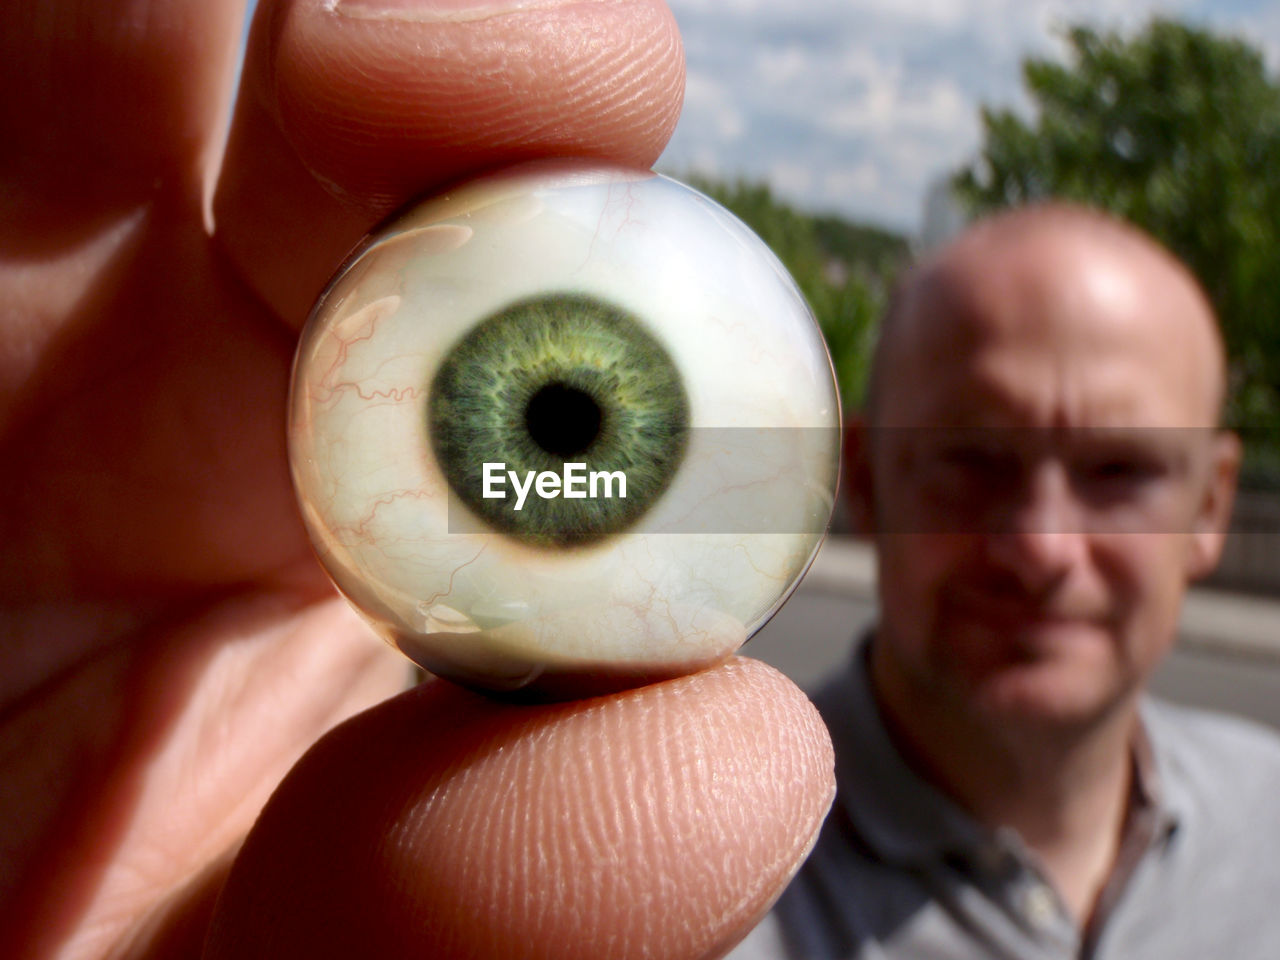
(1040, 906)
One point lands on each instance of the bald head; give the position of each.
(1065, 289)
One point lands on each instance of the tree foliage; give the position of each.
(1177, 130)
(843, 269)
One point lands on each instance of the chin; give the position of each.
(1037, 668)
(1044, 695)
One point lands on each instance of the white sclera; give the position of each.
(702, 569)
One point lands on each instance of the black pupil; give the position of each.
(562, 420)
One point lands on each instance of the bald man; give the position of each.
(1042, 474)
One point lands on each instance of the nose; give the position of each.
(1039, 534)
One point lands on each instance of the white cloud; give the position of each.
(715, 105)
(791, 178)
(785, 65)
(858, 105)
(860, 178)
(1262, 28)
(888, 107)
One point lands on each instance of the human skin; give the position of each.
(1043, 476)
(171, 648)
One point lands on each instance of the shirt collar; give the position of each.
(902, 816)
(1161, 778)
(906, 819)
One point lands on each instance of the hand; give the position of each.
(171, 649)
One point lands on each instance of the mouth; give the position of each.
(1031, 628)
(1050, 634)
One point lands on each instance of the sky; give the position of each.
(859, 106)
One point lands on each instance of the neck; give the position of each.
(1064, 789)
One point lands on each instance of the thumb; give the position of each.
(659, 822)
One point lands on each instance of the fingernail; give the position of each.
(436, 11)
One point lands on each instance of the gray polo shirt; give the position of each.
(900, 871)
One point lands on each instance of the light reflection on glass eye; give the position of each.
(564, 429)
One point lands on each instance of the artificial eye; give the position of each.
(548, 381)
(564, 429)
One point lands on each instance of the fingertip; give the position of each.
(658, 822)
(346, 115)
(380, 107)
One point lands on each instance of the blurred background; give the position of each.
(852, 136)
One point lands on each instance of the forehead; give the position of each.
(1050, 327)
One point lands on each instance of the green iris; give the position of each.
(555, 379)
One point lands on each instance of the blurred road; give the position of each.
(1228, 656)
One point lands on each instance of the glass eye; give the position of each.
(563, 429)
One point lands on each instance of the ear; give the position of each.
(856, 479)
(1213, 514)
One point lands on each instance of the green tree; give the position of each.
(1177, 130)
(844, 270)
